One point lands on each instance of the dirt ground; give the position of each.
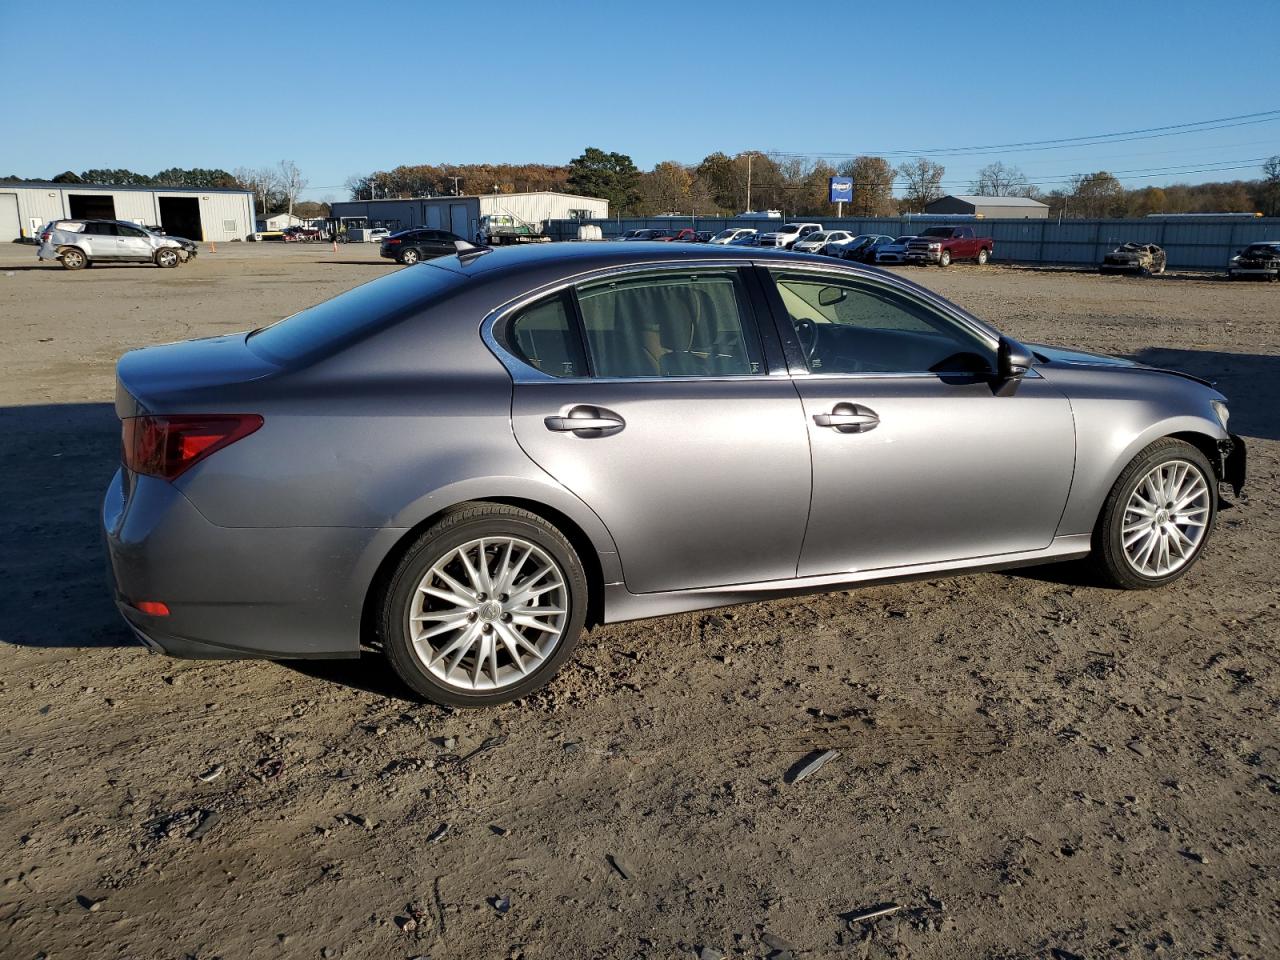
(1030, 766)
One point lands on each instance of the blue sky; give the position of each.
(345, 88)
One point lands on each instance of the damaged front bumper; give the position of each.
(1232, 463)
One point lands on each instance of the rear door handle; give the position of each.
(849, 418)
(586, 421)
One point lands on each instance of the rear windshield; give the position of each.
(350, 316)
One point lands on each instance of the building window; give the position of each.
(229, 226)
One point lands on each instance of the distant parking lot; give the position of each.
(1030, 766)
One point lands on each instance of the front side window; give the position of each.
(131, 231)
(847, 326)
(687, 324)
(544, 337)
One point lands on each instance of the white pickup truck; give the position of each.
(787, 234)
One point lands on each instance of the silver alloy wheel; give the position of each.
(409, 257)
(167, 258)
(488, 613)
(1165, 518)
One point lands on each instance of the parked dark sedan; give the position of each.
(410, 246)
(465, 463)
(863, 249)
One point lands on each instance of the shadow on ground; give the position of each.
(55, 464)
(1251, 382)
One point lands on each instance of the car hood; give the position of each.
(1049, 356)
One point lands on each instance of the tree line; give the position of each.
(723, 185)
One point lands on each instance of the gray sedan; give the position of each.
(469, 461)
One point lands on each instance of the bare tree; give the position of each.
(265, 184)
(998, 180)
(292, 182)
(923, 182)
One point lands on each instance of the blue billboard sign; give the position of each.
(841, 189)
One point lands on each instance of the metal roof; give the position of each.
(979, 201)
(477, 196)
(154, 188)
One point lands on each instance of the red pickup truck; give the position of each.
(941, 245)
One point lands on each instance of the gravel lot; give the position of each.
(1030, 766)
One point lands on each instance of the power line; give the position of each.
(1095, 140)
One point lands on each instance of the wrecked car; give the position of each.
(1144, 259)
(1261, 260)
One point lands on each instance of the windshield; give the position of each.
(937, 232)
(789, 228)
(815, 237)
(348, 317)
(724, 234)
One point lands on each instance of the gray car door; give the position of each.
(693, 455)
(919, 456)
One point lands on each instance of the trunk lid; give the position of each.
(150, 380)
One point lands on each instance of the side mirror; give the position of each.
(1013, 360)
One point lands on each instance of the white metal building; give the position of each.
(461, 215)
(208, 214)
(279, 221)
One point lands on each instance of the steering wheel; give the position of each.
(807, 333)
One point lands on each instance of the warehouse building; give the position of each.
(461, 215)
(205, 213)
(991, 208)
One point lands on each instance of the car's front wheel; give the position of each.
(944, 258)
(1157, 517)
(484, 607)
(167, 257)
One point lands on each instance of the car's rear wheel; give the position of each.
(484, 607)
(74, 259)
(1157, 518)
(409, 256)
(167, 257)
(983, 256)
(944, 258)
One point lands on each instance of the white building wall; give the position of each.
(540, 206)
(224, 216)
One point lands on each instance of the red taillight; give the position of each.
(44, 237)
(152, 608)
(167, 446)
(391, 243)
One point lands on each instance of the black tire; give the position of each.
(73, 258)
(983, 257)
(458, 527)
(1108, 558)
(944, 258)
(409, 256)
(167, 257)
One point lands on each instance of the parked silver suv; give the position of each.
(81, 243)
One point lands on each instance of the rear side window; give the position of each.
(350, 316)
(670, 325)
(544, 337)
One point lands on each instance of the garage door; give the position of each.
(458, 219)
(10, 228)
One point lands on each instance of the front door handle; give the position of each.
(586, 421)
(848, 418)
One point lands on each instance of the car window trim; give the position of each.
(521, 372)
(799, 367)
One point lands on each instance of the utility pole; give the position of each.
(749, 156)
(455, 184)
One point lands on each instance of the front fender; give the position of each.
(1104, 450)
